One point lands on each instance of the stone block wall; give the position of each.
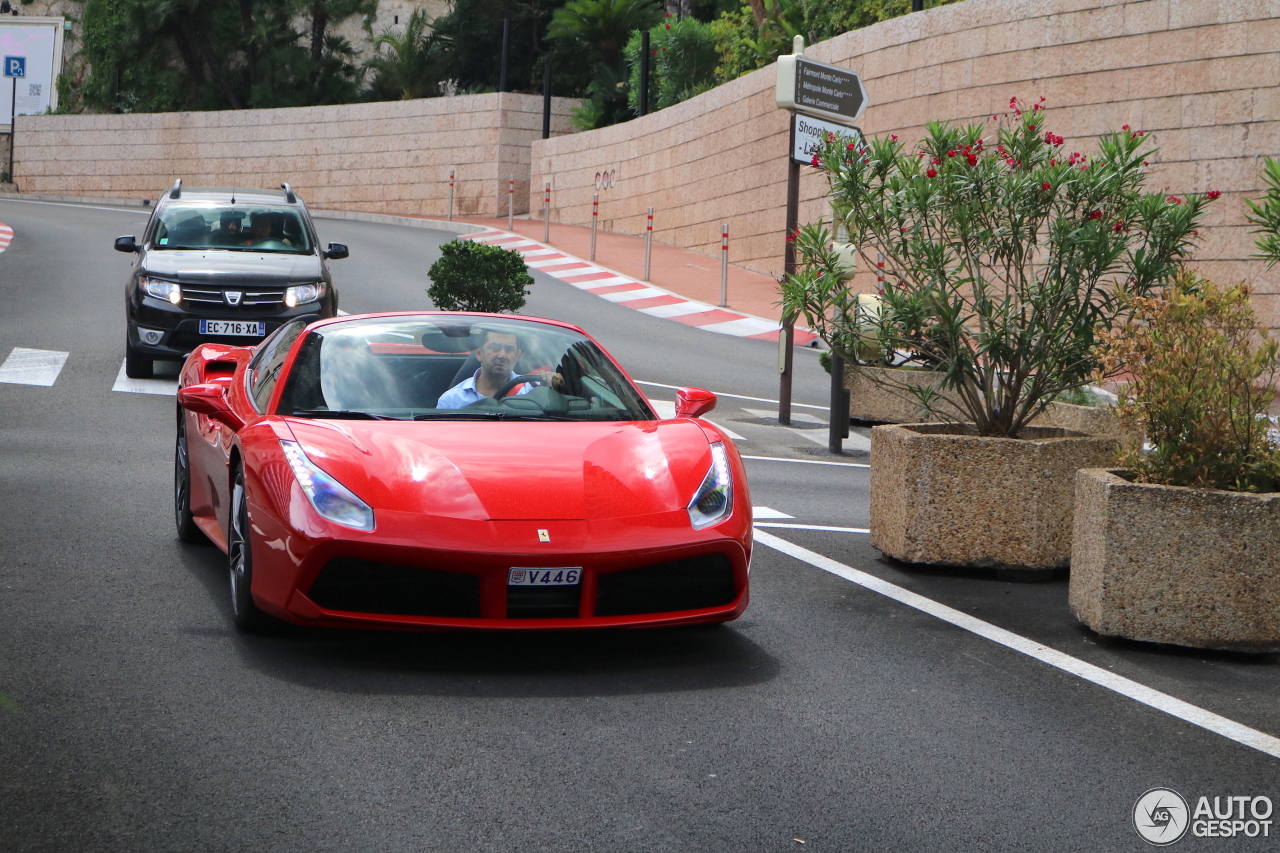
(386, 157)
(1203, 76)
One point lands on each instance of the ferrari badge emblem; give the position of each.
(233, 296)
(544, 536)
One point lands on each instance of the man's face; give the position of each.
(261, 229)
(498, 354)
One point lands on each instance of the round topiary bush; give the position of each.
(471, 276)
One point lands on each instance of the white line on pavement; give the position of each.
(676, 309)
(32, 366)
(768, 512)
(855, 441)
(632, 295)
(807, 461)
(143, 212)
(144, 386)
(1207, 720)
(734, 396)
(666, 410)
(812, 527)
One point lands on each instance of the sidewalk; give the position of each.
(683, 286)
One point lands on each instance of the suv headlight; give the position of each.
(169, 290)
(328, 497)
(303, 293)
(713, 502)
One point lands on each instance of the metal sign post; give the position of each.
(14, 67)
(787, 340)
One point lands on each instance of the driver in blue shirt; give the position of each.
(498, 354)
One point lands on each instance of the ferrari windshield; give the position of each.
(244, 228)
(456, 368)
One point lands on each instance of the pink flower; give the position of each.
(1046, 186)
(893, 137)
(1097, 214)
(1126, 127)
(1212, 194)
(1173, 199)
(668, 26)
(814, 161)
(849, 146)
(1118, 227)
(933, 173)
(951, 153)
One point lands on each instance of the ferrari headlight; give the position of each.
(303, 293)
(713, 502)
(161, 289)
(330, 498)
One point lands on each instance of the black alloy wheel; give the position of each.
(187, 529)
(248, 617)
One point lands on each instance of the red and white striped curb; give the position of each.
(639, 295)
(6, 236)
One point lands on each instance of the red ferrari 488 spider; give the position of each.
(438, 470)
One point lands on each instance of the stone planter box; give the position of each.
(1169, 564)
(943, 495)
(869, 401)
(1092, 420)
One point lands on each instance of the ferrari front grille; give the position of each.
(692, 584)
(364, 586)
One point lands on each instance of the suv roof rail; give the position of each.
(176, 192)
(288, 194)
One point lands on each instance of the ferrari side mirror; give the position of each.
(209, 398)
(126, 244)
(692, 402)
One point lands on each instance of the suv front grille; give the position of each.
(271, 298)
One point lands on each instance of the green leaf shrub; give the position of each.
(1004, 255)
(1266, 215)
(471, 276)
(1201, 369)
(682, 63)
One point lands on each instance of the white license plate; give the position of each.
(242, 328)
(544, 577)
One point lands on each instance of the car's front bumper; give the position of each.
(179, 326)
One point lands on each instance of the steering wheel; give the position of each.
(514, 381)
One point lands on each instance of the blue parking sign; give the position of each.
(15, 66)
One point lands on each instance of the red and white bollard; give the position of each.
(724, 265)
(595, 217)
(546, 213)
(648, 241)
(451, 195)
(511, 202)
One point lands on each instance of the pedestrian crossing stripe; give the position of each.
(26, 366)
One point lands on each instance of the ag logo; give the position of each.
(1160, 816)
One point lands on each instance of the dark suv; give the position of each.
(225, 266)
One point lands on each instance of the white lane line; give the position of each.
(768, 512)
(1207, 720)
(588, 285)
(802, 417)
(547, 263)
(32, 366)
(342, 313)
(537, 253)
(632, 295)
(144, 386)
(666, 410)
(735, 396)
(807, 461)
(144, 212)
(813, 527)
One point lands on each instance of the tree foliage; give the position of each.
(682, 63)
(1004, 257)
(408, 63)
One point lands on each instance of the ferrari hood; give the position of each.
(509, 471)
(216, 267)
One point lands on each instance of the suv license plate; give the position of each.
(544, 577)
(240, 328)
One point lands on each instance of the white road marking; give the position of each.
(735, 396)
(807, 461)
(814, 527)
(552, 262)
(32, 366)
(587, 285)
(768, 512)
(675, 309)
(666, 410)
(1185, 711)
(144, 212)
(344, 313)
(745, 326)
(632, 295)
(855, 441)
(802, 417)
(144, 386)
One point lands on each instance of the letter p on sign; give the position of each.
(15, 66)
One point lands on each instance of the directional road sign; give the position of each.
(818, 89)
(15, 66)
(812, 132)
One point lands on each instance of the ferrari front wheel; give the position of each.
(246, 614)
(187, 529)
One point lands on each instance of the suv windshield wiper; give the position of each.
(481, 416)
(344, 414)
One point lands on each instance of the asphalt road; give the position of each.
(828, 718)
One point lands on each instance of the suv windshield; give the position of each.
(456, 368)
(241, 228)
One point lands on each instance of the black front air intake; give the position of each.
(691, 584)
(363, 586)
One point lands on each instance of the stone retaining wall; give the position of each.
(1202, 75)
(385, 157)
